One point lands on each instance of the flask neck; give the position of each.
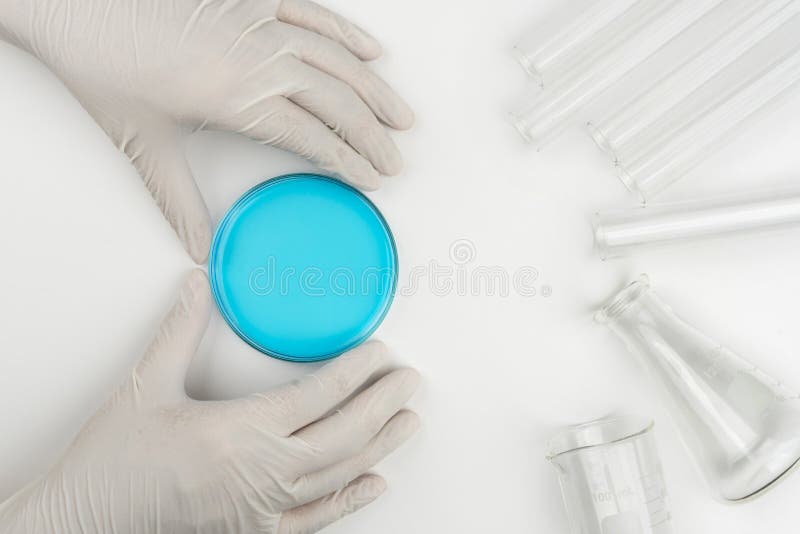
(649, 327)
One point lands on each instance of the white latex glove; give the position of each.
(288, 461)
(285, 73)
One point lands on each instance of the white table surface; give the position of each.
(89, 267)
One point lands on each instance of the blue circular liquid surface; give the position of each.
(303, 267)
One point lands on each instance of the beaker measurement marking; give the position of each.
(612, 495)
(665, 520)
(659, 497)
(610, 481)
(654, 488)
(648, 485)
(717, 357)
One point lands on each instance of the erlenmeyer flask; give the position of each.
(741, 426)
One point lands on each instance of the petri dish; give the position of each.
(303, 267)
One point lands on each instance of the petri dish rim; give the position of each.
(214, 276)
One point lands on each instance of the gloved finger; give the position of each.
(162, 370)
(338, 106)
(278, 122)
(155, 151)
(314, 17)
(167, 175)
(333, 59)
(300, 403)
(317, 515)
(345, 433)
(397, 431)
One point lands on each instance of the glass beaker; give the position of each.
(611, 477)
(741, 426)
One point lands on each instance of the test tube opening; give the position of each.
(602, 142)
(524, 59)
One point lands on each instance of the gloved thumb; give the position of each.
(162, 372)
(153, 146)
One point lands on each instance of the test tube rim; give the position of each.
(602, 142)
(527, 65)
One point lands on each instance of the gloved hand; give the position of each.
(288, 461)
(285, 73)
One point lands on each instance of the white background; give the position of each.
(88, 267)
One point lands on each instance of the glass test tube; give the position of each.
(750, 22)
(618, 233)
(544, 59)
(611, 53)
(700, 124)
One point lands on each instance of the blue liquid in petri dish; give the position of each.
(303, 267)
